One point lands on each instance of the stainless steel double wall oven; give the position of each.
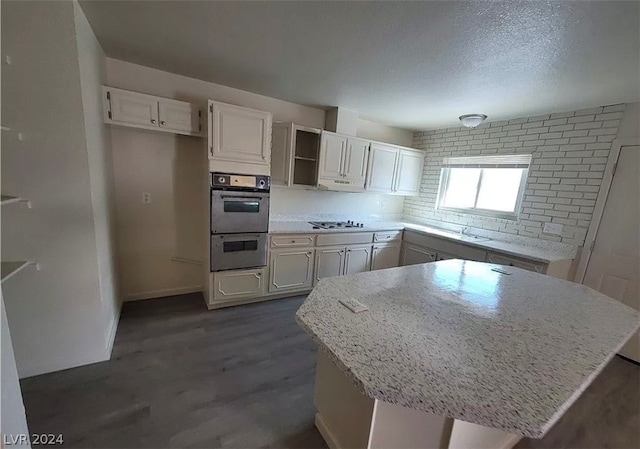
(239, 221)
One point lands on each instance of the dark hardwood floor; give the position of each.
(182, 376)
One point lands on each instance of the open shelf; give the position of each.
(9, 269)
(6, 199)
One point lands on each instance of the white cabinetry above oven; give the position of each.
(239, 139)
(133, 109)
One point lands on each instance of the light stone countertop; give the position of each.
(546, 254)
(455, 338)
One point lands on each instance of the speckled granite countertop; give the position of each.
(549, 253)
(454, 338)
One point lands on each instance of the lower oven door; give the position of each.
(233, 211)
(234, 251)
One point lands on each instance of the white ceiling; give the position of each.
(410, 64)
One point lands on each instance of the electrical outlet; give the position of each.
(146, 198)
(552, 228)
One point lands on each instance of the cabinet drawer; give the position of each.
(446, 247)
(288, 241)
(387, 236)
(346, 238)
(502, 259)
(238, 284)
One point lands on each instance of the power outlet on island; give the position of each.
(552, 228)
(146, 198)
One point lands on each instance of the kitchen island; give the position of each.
(455, 354)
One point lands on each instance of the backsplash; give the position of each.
(569, 154)
(295, 203)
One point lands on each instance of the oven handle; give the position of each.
(240, 197)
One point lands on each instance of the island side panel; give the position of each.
(400, 427)
(466, 435)
(344, 413)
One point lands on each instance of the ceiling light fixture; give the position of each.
(472, 120)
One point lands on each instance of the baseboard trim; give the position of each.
(112, 332)
(162, 293)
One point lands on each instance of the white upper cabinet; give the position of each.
(394, 170)
(343, 162)
(122, 107)
(383, 161)
(355, 160)
(239, 139)
(130, 108)
(409, 172)
(179, 116)
(333, 148)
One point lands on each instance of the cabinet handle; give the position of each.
(153, 121)
(163, 122)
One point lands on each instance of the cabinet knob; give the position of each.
(163, 122)
(258, 274)
(308, 254)
(153, 120)
(293, 241)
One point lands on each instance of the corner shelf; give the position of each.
(6, 199)
(9, 269)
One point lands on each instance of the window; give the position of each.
(484, 185)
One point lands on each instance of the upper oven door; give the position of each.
(235, 212)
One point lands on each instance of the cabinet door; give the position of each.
(329, 262)
(291, 270)
(358, 260)
(332, 152)
(237, 284)
(281, 149)
(179, 116)
(133, 108)
(412, 255)
(355, 160)
(385, 256)
(382, 168)
(409, 172)
(239, 134)
(513, 262)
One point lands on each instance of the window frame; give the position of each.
(522, 161)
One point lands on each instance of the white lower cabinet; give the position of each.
(238, 284)
(329, 262)
(291, 270)
(358, 259)
(513, 262)
(412, 255)
(385, 256)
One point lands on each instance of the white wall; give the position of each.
(56, 314)
(92, 63)
(569, 153)
(170, 168)
(13, 421)
(383, 133)
(630, 123)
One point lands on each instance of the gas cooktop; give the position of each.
(335, 224)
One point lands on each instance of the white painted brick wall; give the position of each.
(569, 149)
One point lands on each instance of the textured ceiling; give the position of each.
(416, 65)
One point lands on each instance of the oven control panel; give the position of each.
(240, 182)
